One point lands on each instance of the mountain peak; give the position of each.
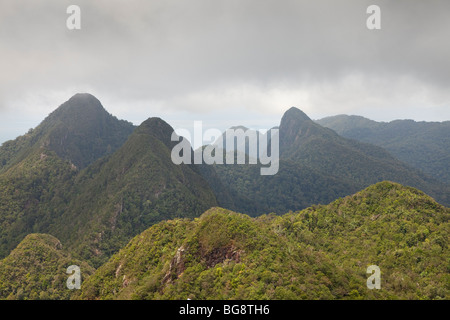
(294, 123)
(154, 125)
(79, 107)
(84, 97)
(295, 114)
(158, 128)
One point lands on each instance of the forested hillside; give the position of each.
(321, 252)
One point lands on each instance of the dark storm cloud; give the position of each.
(204, 55)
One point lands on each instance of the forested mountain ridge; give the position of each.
(321, 252)
(423, 145)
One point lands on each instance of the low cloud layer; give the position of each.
(229, 62)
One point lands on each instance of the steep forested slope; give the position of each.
(321, 252)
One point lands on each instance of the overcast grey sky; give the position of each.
(226, 62)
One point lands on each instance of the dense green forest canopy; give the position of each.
(321, 252)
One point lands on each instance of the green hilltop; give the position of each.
(80, 131)
(36, 269)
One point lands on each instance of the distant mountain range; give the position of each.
(317, 166)
(423, 145)
(82, 184)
